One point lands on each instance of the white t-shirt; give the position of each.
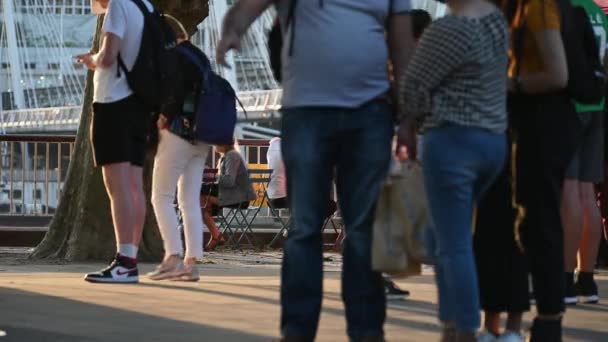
(125, 20)
(277, 188)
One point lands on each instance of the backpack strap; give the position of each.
(146, 13)
(291, 20)
(194, 58)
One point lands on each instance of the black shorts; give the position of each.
(119, 132)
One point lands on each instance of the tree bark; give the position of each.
(82, 228)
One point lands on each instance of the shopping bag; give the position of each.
(398, 247)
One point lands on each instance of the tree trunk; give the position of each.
(82, 228)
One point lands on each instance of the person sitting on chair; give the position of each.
(233, 189)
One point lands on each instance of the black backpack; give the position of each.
(275, 46)
(156, 63)
(275, 40)
(586, 77)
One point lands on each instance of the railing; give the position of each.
(32, 173)
(57, 118)
(33, 169)
(256, 103)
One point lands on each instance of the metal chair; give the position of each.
(237, 222)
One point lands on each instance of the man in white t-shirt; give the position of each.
(119, 132)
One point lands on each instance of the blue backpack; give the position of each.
(215, 108)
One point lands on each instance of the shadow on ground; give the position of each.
(31, 317)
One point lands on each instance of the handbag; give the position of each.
(400, 224)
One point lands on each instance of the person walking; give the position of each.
(179, 163)
(335, 117)
(119, 132)
(462, 106)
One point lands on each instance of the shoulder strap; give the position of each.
(291, 20)
(142, 7)
(144, 10)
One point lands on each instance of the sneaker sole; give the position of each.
(185, 279)
(165, 276)
(570, 300)
(395, 296)
(595, 299)
(129, 280)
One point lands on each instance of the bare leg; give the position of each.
(139, 202)
(572, 218)
(592, 230)
(117, 178)
(492, 322)
(209, 202)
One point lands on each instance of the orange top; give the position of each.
(539, 15)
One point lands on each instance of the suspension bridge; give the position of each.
(42, 88)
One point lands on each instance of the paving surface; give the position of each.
(237, 299)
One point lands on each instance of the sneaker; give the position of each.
(586, 288)
(486, 336)
(510, 336)
(571, 297)
(169, 268)
(393, 291)
(121, 270)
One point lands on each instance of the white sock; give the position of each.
(128, 249)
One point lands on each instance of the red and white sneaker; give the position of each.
(122, 270)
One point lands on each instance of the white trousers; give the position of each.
(179, 164)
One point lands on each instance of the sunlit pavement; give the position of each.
(237, 299)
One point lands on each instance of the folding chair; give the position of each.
(330, 223)
(238, 221)
(209, 178)
(285, 223)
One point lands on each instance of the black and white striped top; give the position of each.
(458, 74)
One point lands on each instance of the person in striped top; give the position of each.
(455, 90)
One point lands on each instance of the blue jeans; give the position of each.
(459, 163)
(356, 145)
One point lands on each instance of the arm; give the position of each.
(232, 164)
(401, 43)
(107, 55)
(442, 49)
(236, 22)
(114, 29)
(554, 75)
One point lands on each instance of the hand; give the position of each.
(230, 40)
(162, 122)
(86, 59)
(406, 136)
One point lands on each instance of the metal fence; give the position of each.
(33, 170)
(32, 173)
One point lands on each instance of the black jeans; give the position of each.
(547, 129)
(501, 265)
